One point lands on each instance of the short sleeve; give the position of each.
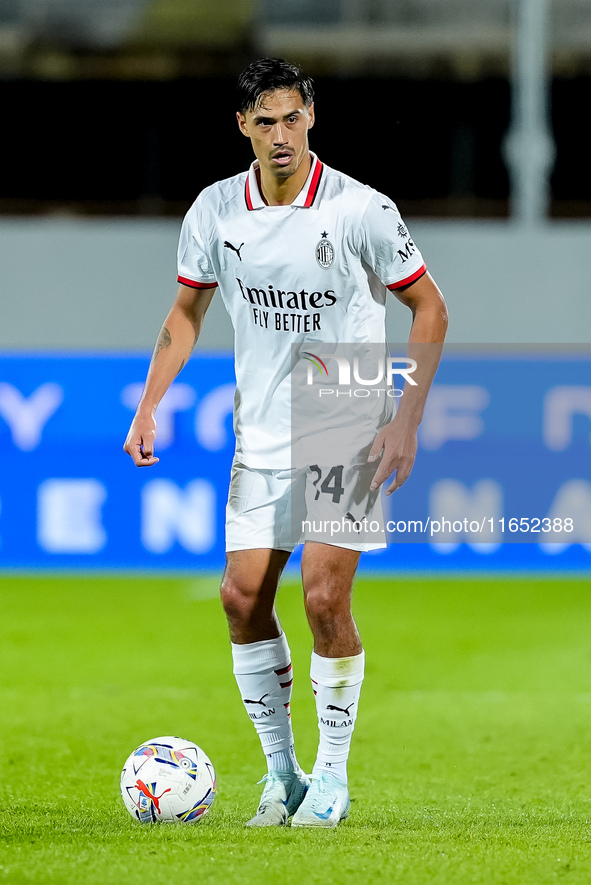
(194, 265)
(387, 245)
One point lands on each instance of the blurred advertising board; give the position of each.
(502, 479)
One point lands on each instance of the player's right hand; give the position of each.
(140, 441)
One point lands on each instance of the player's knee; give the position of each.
(322, 605)
(234, 599)
(238, 600)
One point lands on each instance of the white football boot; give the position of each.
(283, 794)
(326, 803)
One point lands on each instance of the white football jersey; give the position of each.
(310, 273)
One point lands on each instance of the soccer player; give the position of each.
(303, 257)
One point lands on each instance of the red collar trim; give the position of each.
(316, 173)
(247, 192)
(304, 200)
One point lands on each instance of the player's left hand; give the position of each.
(398, 444)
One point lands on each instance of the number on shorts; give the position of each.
(332, 485)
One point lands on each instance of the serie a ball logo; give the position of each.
(324, 253)
(169, 780)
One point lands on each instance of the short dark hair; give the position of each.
(267, 74)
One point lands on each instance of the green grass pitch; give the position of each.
(470, 761)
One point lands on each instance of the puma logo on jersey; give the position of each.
(228, 245)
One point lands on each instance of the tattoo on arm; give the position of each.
(164, 340)
(184, 362)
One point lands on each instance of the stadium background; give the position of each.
(119, 114)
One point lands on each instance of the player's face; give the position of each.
(278, 130)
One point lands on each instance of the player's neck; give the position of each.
(283, 191)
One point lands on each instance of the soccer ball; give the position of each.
(168, 779)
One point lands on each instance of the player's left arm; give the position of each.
(397, 441)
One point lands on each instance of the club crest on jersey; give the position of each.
(324, 252)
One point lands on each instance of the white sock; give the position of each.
(337, 686)
(264, 675)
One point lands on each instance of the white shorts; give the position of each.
(279, 509)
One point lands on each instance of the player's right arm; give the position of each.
(173, 348)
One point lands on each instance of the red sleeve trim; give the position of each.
(408, 280)
(196, 285)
